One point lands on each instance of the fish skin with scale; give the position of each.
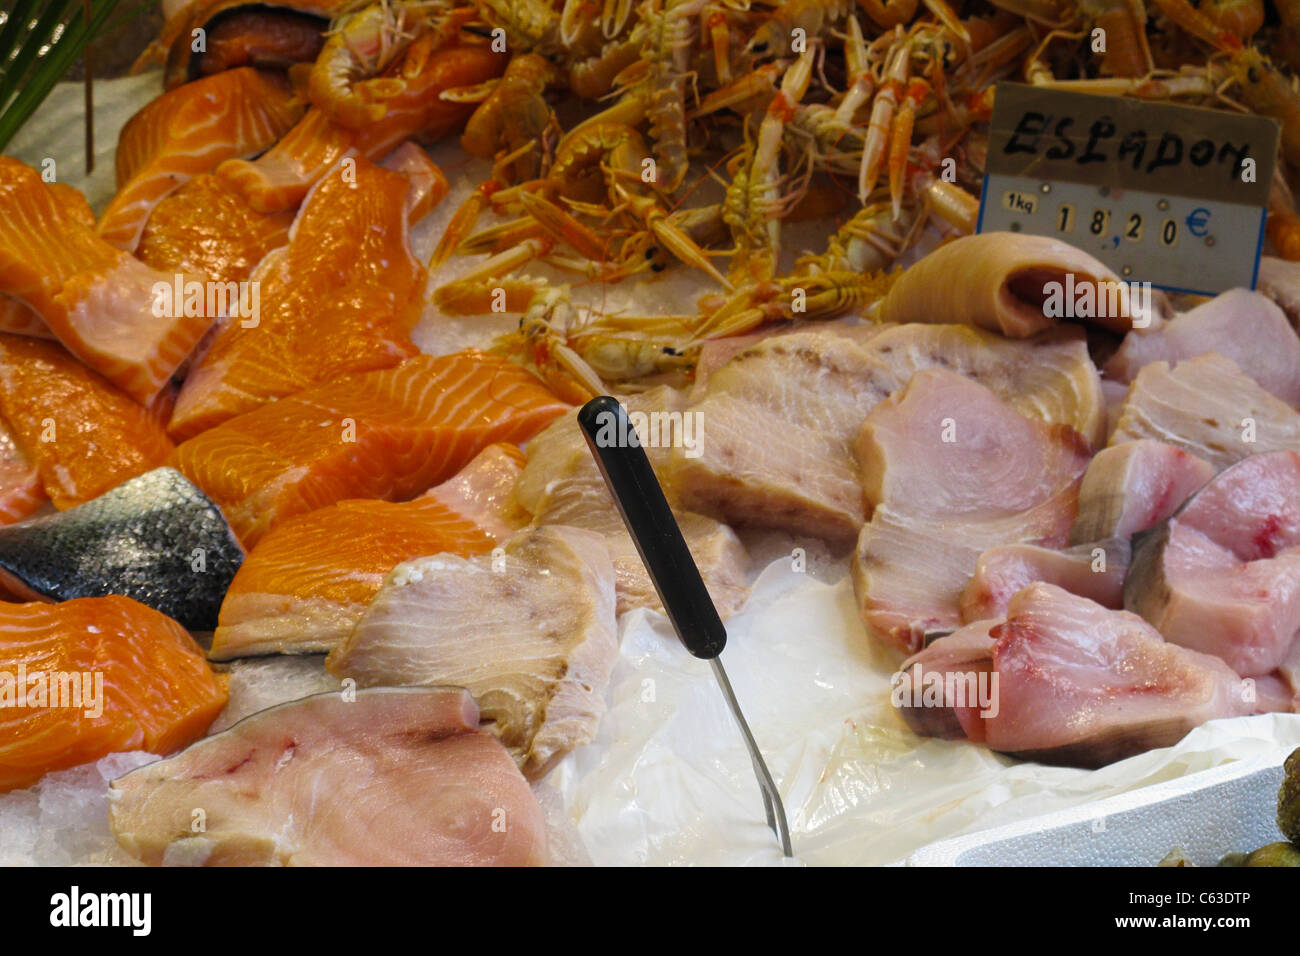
(138, 540)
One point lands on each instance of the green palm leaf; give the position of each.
(39, 42)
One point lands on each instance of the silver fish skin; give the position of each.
(156, 538)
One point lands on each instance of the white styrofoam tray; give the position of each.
(1226, 809)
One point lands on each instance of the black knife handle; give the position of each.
(640, 499)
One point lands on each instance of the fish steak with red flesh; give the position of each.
(1134, 486)
(1076, 683)
(1223, 575)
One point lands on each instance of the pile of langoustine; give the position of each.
(387, 517)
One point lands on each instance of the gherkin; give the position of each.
(1288, 799)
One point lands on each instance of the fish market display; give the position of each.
(348, 259)
(189, 131)
(308, 581)
(529, 632)
(271, 390)
(395, 777)
(389, 434)
(97, 675)
(156, 539)
(1223, 574)
(82, 434)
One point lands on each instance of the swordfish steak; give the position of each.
(562, 485)
(950, 471)
(1223, 575)
(813, 389)
(1134, 486)
(1082, 685)
(394, 777)
(1240, 325)
(530, 632)
(1209, 407)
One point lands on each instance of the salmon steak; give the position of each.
(342, 297)
(188, 131)
(389, 434)
(21, 489)
(205, 228)
(307, 583)
(394, 777)
(98, 301)
(143, 682)
(82, 433)
(17, 316)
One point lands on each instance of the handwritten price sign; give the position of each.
(1171, 195)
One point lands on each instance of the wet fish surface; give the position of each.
(393, 777)
(156, 538)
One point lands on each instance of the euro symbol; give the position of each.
(1198, 221)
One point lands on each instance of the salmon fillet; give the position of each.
(387, 434)
(98, 300)
(205, 228)
(342, 297)
(158, 692)
(21, 490)
(83, 435)
(307, 583)
(189, 131)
